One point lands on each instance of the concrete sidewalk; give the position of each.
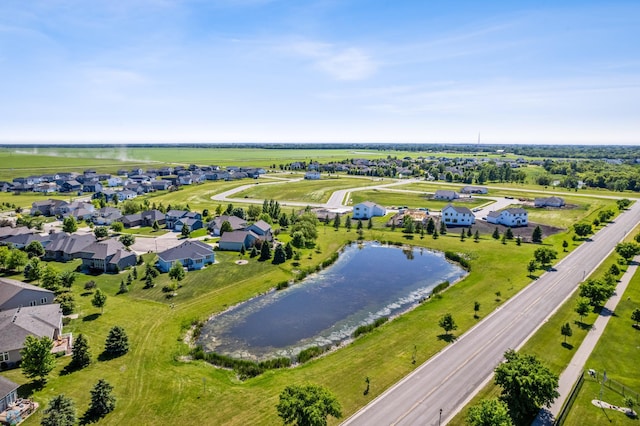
(577, 365)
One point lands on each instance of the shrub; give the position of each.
(440, 287)
(309, 353)
(367, 328)
(456, 257)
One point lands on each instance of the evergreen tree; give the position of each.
(359, 226)
(186, 231)
(288, 249)
(117, 342)
(443, 228)
(254, 252)
(476, 236)
(61, 411)
(509, 234)
(265, 251)
(469, 233)
(81, 356)
(336, 221)
(155, 226)
(496, 233)
(463, 235)
(435, 234)
(102, 400)
(431, 226)
(129, 279)
(123, 287)
(536, 236)
(347, 223)
(370, 224)
(148, 281)
(279, 255)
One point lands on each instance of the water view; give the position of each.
(367, 282)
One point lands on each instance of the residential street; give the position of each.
(451, 378)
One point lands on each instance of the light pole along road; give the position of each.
(439, 388)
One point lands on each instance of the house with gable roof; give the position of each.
(15, 294)
(457, 216)
(512, 217)
(236, 223)
(108, 255)
(367, 210)
(192, 254)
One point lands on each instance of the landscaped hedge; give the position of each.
(440, 287)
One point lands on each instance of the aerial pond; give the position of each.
(368, 281)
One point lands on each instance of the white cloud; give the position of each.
(350, 63)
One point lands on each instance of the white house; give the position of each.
(114, 181)
(549, 202)
(312, 175)
(512, 217)
(457, 216)
(445, 194)
(367, 210)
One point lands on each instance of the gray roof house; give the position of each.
(235, 240)
(236, 224)
(191, 254)
(107, 256)
(16, 324)
(8, 393)
(445, 194)
(262, 229)
(14, 294)
(63, 247)
(8, 231)
(20, 241)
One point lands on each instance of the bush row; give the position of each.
(243, 368)
(367, 328)
(455, 257)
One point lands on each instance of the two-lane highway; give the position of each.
(454, 375)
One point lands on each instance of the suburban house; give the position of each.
(457, 216)
(312, 175)
(20, 241)
(445, 194)
(46, 207)
(106, 216)
(191, 223)
(15, 294)
(160, 185)
(18, 323)
(114, 181)
(146, 218)
(474, 190)
(216, 224)
(513, 216)
(549, 202)
(8, 231)
(192, 255)
(63, 247)
(262, 229)
(236, 240)
(107, 256)
(367, 210)
(8, 393)
(126, 194)
(173, 216)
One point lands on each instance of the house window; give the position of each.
(33, 303)
(4, 356)
(43, 300)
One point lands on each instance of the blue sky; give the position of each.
(320, 71)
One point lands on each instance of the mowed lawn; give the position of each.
(396, 198)
(617, 353)
(312, 191)
(153, 386)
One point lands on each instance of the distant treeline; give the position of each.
(541, 151)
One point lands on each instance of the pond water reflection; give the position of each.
(367, 281)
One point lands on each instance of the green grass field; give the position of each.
(312, 191)
(152, 385)
(395, 198)
(547, 345)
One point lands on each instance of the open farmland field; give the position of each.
(312, 191)
(198, 197)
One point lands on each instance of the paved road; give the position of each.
(448, 380)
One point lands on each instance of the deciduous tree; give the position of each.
(99, 300)
(177, 271)
(628, 250)
(307, 405)
(447, 323)
(582, 307)
(69, 224)
(566, 331)
(37, 359)
(489, 412)
(527, 385)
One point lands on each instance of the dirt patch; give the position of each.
(241, 262)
